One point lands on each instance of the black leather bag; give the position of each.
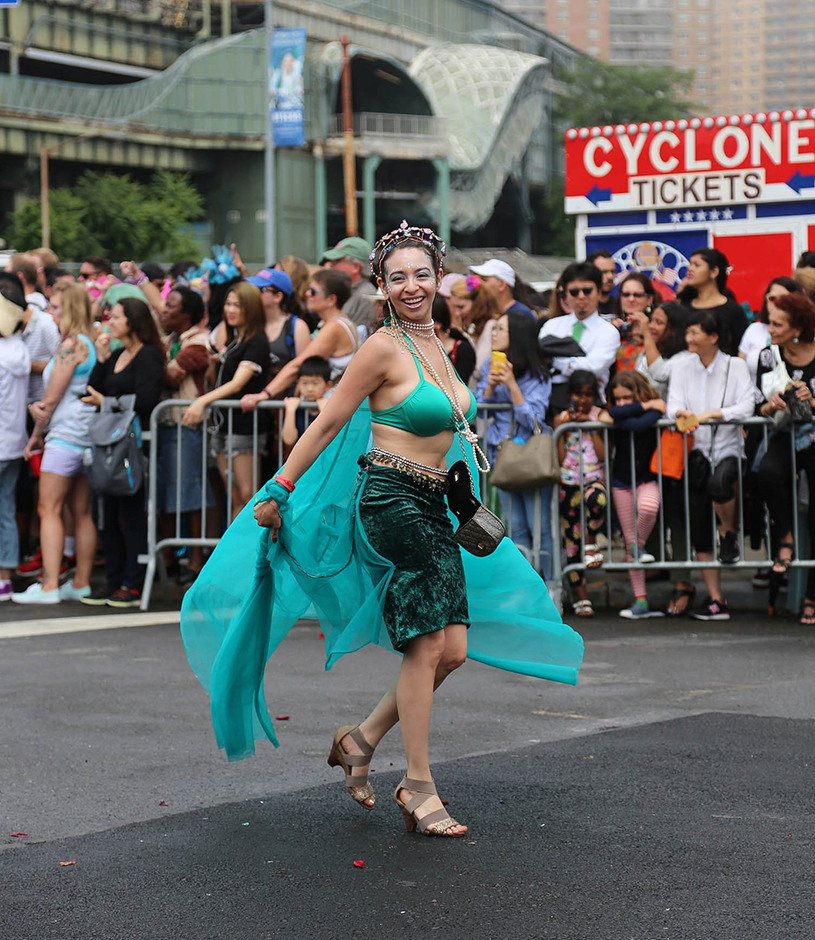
(480, 531)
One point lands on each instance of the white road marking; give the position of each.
(28, 628)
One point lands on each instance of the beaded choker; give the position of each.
(415, 327)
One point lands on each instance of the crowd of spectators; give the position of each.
(602, 347)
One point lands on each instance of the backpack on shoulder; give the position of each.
(116, 464)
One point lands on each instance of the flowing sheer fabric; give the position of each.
(252, 591)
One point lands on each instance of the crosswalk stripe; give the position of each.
(55, 625)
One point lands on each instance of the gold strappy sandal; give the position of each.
(355, 784)
(436, 823)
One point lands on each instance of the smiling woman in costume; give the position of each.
(374, 552)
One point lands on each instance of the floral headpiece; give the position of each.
(218, 269)
(472, 282)
(388, 242)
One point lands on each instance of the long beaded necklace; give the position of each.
(462, 427)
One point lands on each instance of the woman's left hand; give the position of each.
(93, 397)
(194, 415)
(38, 412)
(803, 392)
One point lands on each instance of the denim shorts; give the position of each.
(188, 476)
(222, 443)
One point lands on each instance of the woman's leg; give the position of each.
(242, 479)
(113, 543)
(134, 526)
(53, 492)
(414, 701)
(84, 529)
(624, 507)
(386, 713)
(774, 482)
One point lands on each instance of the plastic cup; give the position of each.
(35, 462)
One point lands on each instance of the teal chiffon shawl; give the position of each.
(252, 591)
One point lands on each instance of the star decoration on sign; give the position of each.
(713, 215)
(727, 214)
(676, 217)
(701, 215)
(687, 217)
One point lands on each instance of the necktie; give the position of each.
(577, 330)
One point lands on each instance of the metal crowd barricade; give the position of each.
(154, 558)
(157, 543)
(662, 561)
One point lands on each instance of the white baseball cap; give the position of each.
(496, 268)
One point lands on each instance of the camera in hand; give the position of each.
(625, 330)
(800, 411)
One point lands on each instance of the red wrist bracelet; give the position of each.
(284, 482)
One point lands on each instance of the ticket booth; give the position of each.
(653, 193)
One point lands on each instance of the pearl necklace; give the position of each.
(462, 427)
(409, 325)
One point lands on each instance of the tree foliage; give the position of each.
(598, 93)
(115, 216)
(554, 233)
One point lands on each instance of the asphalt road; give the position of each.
(667, 796)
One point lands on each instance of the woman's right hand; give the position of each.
(35, 443)
(102, 345)
(777, 403)
(267, 514)
(250, 402)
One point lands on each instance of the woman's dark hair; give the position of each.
(441, 312)
(706, 321)
(645, 283)
(523, 346)
(636, 383)
(217, 296)
(807, 260)
(715, 259)
(140, 322)
(192, 303)
(673, 339)
(380, 261)
(580, 378)
(335, 282)
(800, 312)
(788, 283)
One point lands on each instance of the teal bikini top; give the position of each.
(426, 411)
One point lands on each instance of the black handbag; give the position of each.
(480, 531)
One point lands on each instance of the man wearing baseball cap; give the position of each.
(501, 278)
(352, 256)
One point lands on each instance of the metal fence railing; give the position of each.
(543, 549)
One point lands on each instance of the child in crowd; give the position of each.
(635, 407)
(582, 455)
(313, 385)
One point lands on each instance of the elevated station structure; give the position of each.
(452, 104)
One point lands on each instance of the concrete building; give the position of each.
(747, 55)
(452, 112)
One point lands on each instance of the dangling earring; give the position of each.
(796, 339)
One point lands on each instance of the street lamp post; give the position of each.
(45, 192)
(269, 163)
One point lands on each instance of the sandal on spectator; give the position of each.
(583, 608)
(676, 597)
(593, 558)
(808, 614)
(781, 565)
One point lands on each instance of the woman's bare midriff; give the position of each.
(427, 450)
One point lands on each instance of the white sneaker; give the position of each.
(67, 591)
(34, 594)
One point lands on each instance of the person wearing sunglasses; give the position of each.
(637, 296)
(597, 339)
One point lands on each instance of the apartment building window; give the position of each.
(594, 50)
(593, 34)
(562, 15)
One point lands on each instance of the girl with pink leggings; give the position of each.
(635, 407)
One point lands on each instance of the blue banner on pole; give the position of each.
(286, 96)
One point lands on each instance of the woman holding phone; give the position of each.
(515, 374)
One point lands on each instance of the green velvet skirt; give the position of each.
(408, 525)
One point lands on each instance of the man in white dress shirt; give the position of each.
(712, 386)
(599, 340)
